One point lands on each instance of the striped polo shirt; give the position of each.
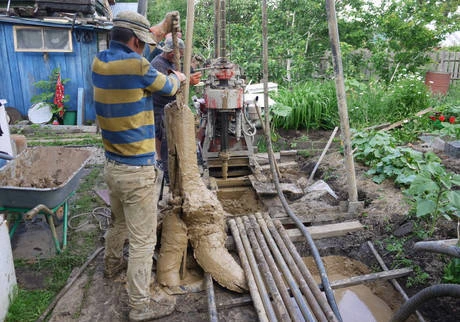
(123, 83)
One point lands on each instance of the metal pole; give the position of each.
(311, 293)
(278, 304)
(303, 306)
(142, 7)
(255, 269)
(300, 263)
(341, 100)
(257, 300)
(211, 298)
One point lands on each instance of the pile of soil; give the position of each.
(43, 167)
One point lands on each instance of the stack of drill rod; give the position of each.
(281, 286)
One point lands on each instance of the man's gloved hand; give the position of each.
(170, 23)
(195, 78)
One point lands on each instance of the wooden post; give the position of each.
(341, 100)
(188, 46)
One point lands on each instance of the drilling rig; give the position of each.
(228, 132)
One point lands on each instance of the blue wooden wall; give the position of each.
(20, 70)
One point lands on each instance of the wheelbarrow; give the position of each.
(41, 180)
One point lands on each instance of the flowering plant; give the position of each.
(52, 93)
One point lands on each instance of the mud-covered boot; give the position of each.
(160, 305)
(112, 270)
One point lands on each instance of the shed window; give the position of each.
(42, 39)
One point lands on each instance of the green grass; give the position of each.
(28, 305)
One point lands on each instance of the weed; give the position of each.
(419, 278)
(452, 272)
(304, 153)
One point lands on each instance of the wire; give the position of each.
(101, 215)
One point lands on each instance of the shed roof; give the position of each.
(123, 6)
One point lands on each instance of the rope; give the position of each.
(101, 215)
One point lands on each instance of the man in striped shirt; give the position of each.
(123, 83)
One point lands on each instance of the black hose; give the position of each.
(412, 304)
(316, 256)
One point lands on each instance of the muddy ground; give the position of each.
(93, 298)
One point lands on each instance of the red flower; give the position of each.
(452, 119)
(59, 96)
(433, 118)
(442, 118)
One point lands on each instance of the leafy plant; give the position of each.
(452, 272)
(419, 278)
(311, 105)
(428, 186)
(48, 91)
(432, 194)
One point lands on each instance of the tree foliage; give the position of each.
(387, 37)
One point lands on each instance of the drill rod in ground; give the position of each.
(289, 261)
(302, 267)
(266, 245)
(278, 303)
(256, 298)
(257, 274)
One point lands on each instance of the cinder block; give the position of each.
(452, 149)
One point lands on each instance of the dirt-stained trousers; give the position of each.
(134, 216)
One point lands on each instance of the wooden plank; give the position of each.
(399, 123)
(356, 280)
(268, 188)
(233, 182)
(326, 231)
(317, 232)
(290, 164)
(308, 216)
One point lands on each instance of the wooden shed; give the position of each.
(39, 36)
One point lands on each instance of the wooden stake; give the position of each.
(341, 100)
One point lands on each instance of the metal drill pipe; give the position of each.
(212, 311)
(272, 233)
(256, 298)
(288, 277)
(278, 303)
(255, 270)
(278, 277)
(303, 268)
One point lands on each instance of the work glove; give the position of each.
(195, 78)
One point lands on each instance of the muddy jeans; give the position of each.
(132, 199)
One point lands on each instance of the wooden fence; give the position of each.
(447, 62)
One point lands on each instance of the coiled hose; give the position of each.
(440, 290)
